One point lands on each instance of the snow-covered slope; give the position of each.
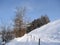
(49, 34)
(25, 40)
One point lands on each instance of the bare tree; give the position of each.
(6, 34)
(3, 35)
(9, 34)
(19, 26)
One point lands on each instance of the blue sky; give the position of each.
(35, 8)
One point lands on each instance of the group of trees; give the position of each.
(38, 22)
(20, 27)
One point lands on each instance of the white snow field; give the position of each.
(48, 34)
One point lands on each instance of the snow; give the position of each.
(48, 34)
(25, 40)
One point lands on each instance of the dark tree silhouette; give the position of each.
(38, 23)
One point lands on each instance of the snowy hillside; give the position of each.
(49, 34)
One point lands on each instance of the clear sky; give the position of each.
(35, 8)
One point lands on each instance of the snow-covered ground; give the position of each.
(48, 34)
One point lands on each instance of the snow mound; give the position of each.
(49, 34)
